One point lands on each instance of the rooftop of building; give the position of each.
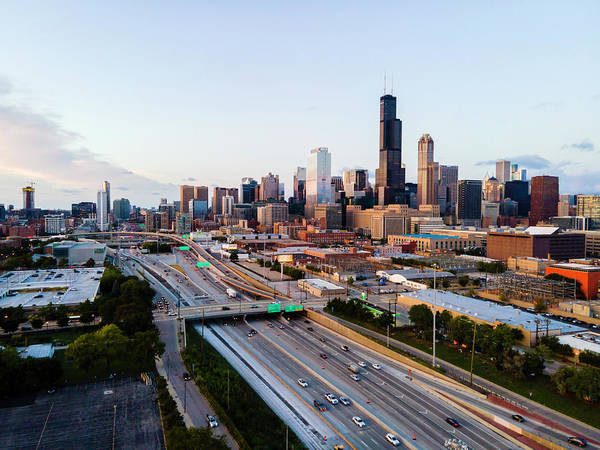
(31, 288)
(320, 284)
(582, 341)
(577, 267)
(409, 273)
(430, 236)
(79, 244)
(36, 351)
(491, 312)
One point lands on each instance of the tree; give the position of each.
(476, 282)
(11, 317)
(445, 283)
(421, 317)
(62, 316)
(585, 384)
(443, 319)
(502, 297)
(90, 263)
(86, 312)
(130, 318)
(460, 329)
(48, 312)
(529, 365)
(463, 280)
(36, 322)
(350, 281)
(540, 305)
(234, 256)
(85, 352)
(561, 379)
(384, 319)
(62, 263)
(147, 345)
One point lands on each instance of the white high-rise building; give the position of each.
(502, 171)
(318, 179)
(228, 205)
(54, 223)
(103, 207)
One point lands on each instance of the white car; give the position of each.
(392, 439)
(212, 422)
(344, 401)
(332, 399)
(355, 377)
(376, 366)
(358, 421)
(362, 364)
(302, 382)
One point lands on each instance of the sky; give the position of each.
(150, 95)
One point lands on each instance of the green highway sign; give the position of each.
(274, 308)
(186, 236)
(200, 265)
(184, 247)
(292, 308)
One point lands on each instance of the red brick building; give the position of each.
(544, 199)
(326, 237)
(587, 275)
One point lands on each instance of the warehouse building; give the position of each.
(321, 288)
(77, 253)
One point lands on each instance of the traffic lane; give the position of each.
(420, 399)
(290, 371)
(377, 402)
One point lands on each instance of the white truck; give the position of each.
(231, 293)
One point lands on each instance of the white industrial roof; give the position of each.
(541, 230)
(582, 341)
(413, 274)
(36, 351)
(321, 284)
(490, 311)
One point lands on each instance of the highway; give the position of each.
(386, 399)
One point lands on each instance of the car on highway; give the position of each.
(517, 418)
(282, 327)
(172, 313)
(576, 440)
(212, 422)
(319, 405)
(249, 335)
(362, 364)
(186, 376)
(392, 439)
(453, 422)
(376, 366)
(331, 399)
(344, 401)
(323, 355)
(358, 422)
(253, 331)
(302, 382)
(355, 377)
(307, 321)
(344, 347)
(322, 339)
(270, 325)
(253, 306)
(310, 329)
(39, 296)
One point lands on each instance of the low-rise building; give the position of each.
(326, 237)
(333, 255)
(527, 264)
(77, 253)
(320, 288)
(485, 312)
(431, 243)
(587, 275)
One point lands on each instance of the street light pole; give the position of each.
(434, 307)
(473, 352)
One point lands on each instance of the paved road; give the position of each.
(577, 428)
(415, 411)
(196, 406)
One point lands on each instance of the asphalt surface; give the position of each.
(386, 399)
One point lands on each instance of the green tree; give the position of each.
(147, 345)
(502, 297)
(443, 319)
(445, 283)
(62, 316)
(586, 384)
(36, 322)
(384, 319)
(90, 263)
(11, 317)
(562, 379)
(460, 329)
(540, 305)
(421, 317)
(62, 263)
(86, 312)
(463, 280)
(48, 312)
(113, 343)
(85, 352)
(350, 281)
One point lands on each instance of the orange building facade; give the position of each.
(587, 275)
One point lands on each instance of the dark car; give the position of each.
(186, 376)
(319, 405)
(310, 329)
(323, 355)
(452, 422)
(575, 440)
(518, 418)
(307, 321)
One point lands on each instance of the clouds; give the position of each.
(34, 146)
(585, 146)
(527, 161)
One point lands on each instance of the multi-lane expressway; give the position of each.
(389, 399)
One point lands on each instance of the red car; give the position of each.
(323, 355)
(310, 329)
(452, 422)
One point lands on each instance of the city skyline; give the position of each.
(69, 130)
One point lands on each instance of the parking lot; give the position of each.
(108, 414)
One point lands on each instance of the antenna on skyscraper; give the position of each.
(384, 83)
(392, 83)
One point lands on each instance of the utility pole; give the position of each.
(227, 389)
(435, 266)
(473, 351)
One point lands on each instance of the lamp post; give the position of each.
(435, 267)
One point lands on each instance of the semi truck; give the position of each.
(231, 293)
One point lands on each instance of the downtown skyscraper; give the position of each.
(318, 179)
(390, 176)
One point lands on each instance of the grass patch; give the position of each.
(541, 388)
(73, 375)
(57, 337)
(249, 419)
